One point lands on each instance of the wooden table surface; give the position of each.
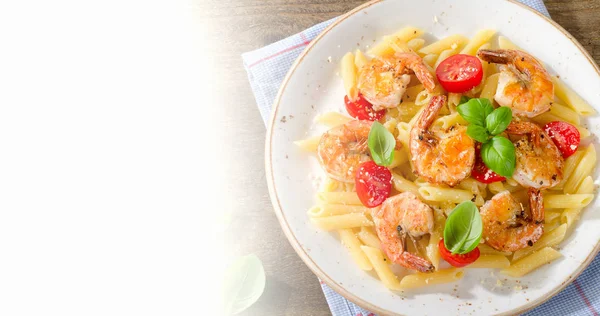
(236, 26)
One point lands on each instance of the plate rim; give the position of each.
(292, 238)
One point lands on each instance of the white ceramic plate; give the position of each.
(312, 87)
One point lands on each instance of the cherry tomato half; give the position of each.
(362, 109)
(459, 73)
(565, 136)
(481, 172)
(457, 260)
(373, 183)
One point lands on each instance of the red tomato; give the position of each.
(459, 73)
(373, 183)
(362, 109)
(458, 260)
(481, 172)
(565, 136)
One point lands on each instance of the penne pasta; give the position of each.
(348, 73)
(490, 262)
(549, 239)
(430, 59)
(309, 144)
(487, 250)
(439, 194)
(384, 47)
(456, 41)
(400, 157)
(368, 237)
(403, 185)
(351, 242)
(335, 222)
(382, 268)
(567, 200)
(445, 54)
(505, 43)
(347, 198)
(489, 87)
(571, 98)
(417, 280)
(360, 59)
(333, 119)
(323, 210)
(535, 260)
(565, 113)
(584, 168)
(415, 44)
(480, 38)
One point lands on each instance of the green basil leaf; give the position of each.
(463, 228)
(464, 99)
(478, 133)
(244, 284)
(499, 155)
(381, 144)
(498, 120)
(476, 110)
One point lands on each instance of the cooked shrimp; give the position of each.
(539, 162)
(399, 217)
(524, 84)
(383, 81)
(441, 155)
(506, 224)
(343, 148)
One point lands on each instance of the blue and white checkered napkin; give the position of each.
(266, 69)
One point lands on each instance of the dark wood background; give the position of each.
(232, 27)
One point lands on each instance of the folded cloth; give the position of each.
(266, 69)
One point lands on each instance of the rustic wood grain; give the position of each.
(232, 27)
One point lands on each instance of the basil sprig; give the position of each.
(463, 228)
(381, 144)
(485, 123)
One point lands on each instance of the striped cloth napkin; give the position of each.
(266, 69)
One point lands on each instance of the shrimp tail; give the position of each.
(430, 113)
(536, 202)
(415, 262)
(497, 56)
(524, 128)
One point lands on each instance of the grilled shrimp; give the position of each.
(539, 162)
(506, 224)
(524, 84)
(343, 148)
(382, 81)
(399, 217)
(440, 156)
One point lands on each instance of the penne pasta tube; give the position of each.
(348, 198)
(309, 144)
(479, 39)
(533, 261)
(490, 262)
(360, 59)
(323, 210)
(549, 239)
(348, 73)
(456, 41)
(341, 221)
(489, 87)
(417, 280)
(584, 168)
(382, 268)
(567, 200)
(565, 113)
(415, 44)
(351, 242)
(369, 238)
(400, 157)
(571, 98)
(430, 59)
(333, 119)
(487, 250)
(439, 194)
(403, 185)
